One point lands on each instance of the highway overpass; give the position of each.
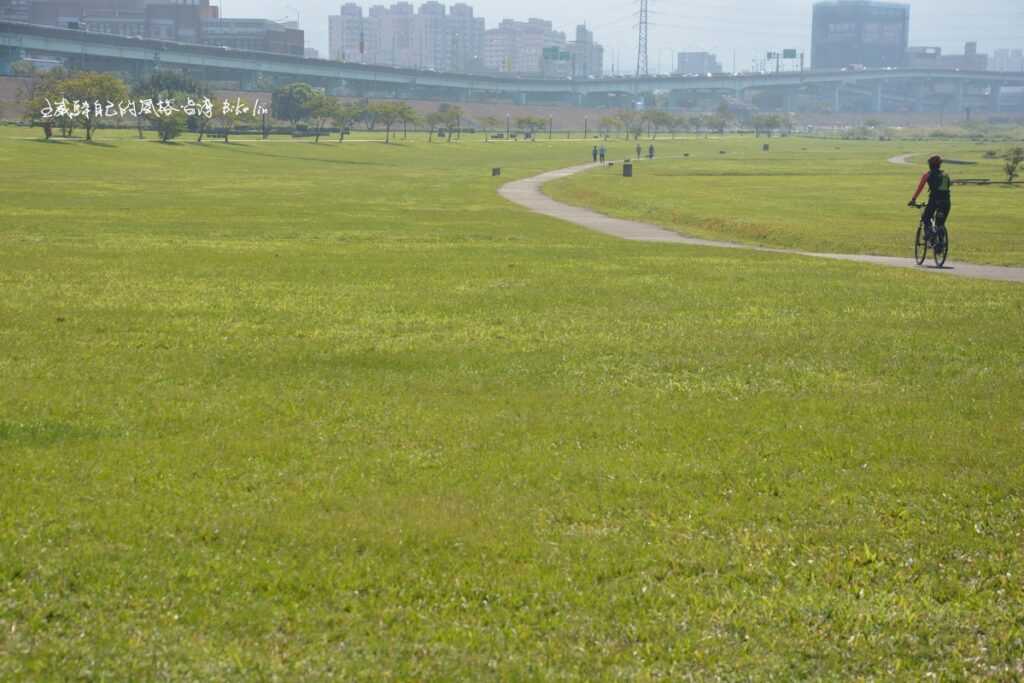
(864, 90)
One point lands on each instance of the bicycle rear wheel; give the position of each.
(920, 245)
(941, 247)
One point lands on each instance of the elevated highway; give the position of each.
(867, 90)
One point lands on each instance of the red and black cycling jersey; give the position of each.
(938, 183)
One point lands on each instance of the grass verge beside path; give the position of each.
(308, 412)
(809, 194)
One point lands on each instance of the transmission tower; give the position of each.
(641, 43)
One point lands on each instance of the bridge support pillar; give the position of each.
(877, 99)
(836, 100)
(8, 56)
(521, 98)
(789, 101)
(994, 92)
(960, 100)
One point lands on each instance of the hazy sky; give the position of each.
(748, 27)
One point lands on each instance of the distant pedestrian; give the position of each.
(594, 153)
(639, 151)
(601, 151)
(650, 152)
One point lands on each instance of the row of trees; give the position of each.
(299, 103)
(106, 91)
(654, 121)
(307, 108)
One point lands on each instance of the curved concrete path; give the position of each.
(527, 193)
(903, 159)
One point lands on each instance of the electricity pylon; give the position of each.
(641, 43)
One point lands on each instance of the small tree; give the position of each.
(346, 116)
(1013, 157)
(387, 115)
(170, 126)
(658, 120)
(451, 119)
(231, 119)
(40, 98)
(678, 124)
(168, 85)
(97, 90)
(489, 123)
(607, 124)
(630, 122)
(698, 122)
(322, 108)
(291, 103)
(407, 116)
(724, 116)
(530, 125)
(433, 121)
(25, 69)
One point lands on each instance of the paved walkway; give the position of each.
(903, 159)
(527, 193)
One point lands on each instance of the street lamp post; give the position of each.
(586, 121)
(508, 126)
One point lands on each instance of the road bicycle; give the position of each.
(931, 237)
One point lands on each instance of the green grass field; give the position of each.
(815, 195)
(276, 410)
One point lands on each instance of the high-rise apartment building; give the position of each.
(1007, 60)
(587, 56)
(859, 32)
(430, 38)
(347, 34)
(14, 10)
(518, 46)
(697, 63)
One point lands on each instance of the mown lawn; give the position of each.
(811, 194)
(285, 411)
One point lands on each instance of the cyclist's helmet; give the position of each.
(935, 161)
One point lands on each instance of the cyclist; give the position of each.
(939, 204)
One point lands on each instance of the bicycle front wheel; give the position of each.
(920, 246)
(941, 248)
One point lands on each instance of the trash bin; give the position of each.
(627, 170)
(764, 148)
(495, 171)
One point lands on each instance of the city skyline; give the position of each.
(737, 31)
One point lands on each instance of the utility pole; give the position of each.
(641, 43)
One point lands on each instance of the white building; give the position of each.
(518, 47)
(587, 56)
(1007, 60)
(430, 38)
